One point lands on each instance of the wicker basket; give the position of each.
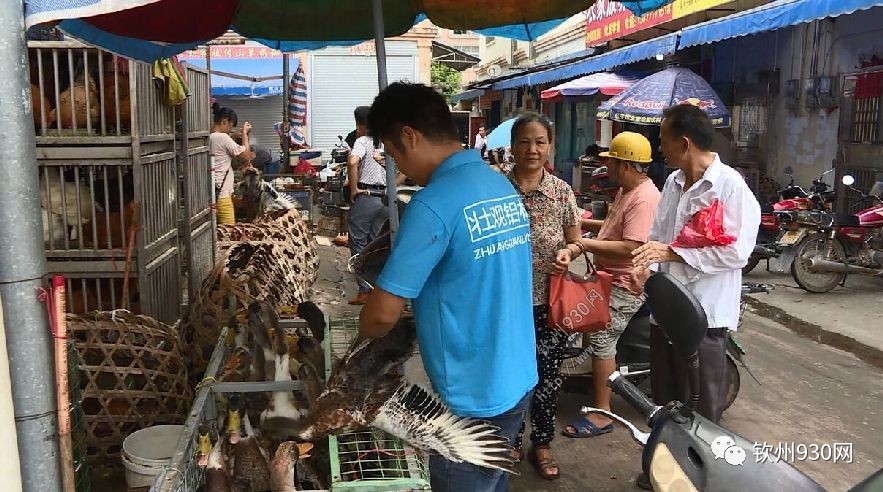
(131, 376)
(82, 478)
(250, 271)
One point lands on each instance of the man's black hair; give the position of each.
(361, 115)
(686, 120)
(414, 105)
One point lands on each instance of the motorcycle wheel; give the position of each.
(734, 381)
(811, 247)
(753, 261)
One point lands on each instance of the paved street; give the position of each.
(811, 392)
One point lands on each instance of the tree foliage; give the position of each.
(446, 80)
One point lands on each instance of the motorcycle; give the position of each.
(770, 235)
(633, 351)
(834, 245)
(601, 192)
(683, 450)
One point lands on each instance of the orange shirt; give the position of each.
(630, 218)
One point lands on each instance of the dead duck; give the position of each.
(309, 351)
(250, 467)
(284, 466)
(203, 445)
(217, 478)
(238, 366)
(314, 317)
(311, 382)
(285, 408)
(262, 320)
(368, 388)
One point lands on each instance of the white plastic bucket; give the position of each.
(147, 452)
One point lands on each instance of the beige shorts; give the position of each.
(623, 304)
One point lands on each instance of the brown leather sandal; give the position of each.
(545, 465)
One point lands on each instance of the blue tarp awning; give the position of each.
(663, 45)
(769, 17)
(467, 95)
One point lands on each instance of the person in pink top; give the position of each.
(625, 228)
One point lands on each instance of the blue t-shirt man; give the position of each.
(463, 255)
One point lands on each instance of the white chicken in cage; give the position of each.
(66, 207)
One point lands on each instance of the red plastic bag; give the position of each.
(580, 304)
(304, 167)
(706, 228)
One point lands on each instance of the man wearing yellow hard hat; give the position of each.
(625, 228)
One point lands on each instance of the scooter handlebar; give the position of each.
(631, 394)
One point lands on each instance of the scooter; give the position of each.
(633, 351)
(683, 450)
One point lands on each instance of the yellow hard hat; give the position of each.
(630, 146)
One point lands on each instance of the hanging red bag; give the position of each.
(706, 228)
(580, 303)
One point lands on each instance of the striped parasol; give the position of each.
(297, 105)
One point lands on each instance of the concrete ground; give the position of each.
(843, 318)
(810, 392)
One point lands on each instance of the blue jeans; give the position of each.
(447, 476)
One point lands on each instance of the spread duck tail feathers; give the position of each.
(417, 415)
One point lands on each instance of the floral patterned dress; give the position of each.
(552, 208)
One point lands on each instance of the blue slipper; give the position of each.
(585, 428)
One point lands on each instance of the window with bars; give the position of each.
(866, 117)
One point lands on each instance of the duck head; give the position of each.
(203, 446)
(235, 411)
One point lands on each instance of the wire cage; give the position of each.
(368, 460)
(131, 374)
(183, 474)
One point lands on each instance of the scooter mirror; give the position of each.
(677, 311)
(789, 171)
(848, 180)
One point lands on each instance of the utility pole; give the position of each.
(23, 266)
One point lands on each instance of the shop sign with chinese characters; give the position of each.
(607, 20)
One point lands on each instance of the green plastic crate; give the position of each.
(368, 460)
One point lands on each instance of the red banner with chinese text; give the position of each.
(607, 20)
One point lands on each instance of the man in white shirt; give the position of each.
(481, 141)
(712, 273)
(366, 175)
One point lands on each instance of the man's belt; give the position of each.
(377, 187)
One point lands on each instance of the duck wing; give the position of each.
(418, 416)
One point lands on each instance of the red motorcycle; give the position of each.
(842, 244)
(773, 237)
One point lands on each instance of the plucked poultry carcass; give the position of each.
(369, 388)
